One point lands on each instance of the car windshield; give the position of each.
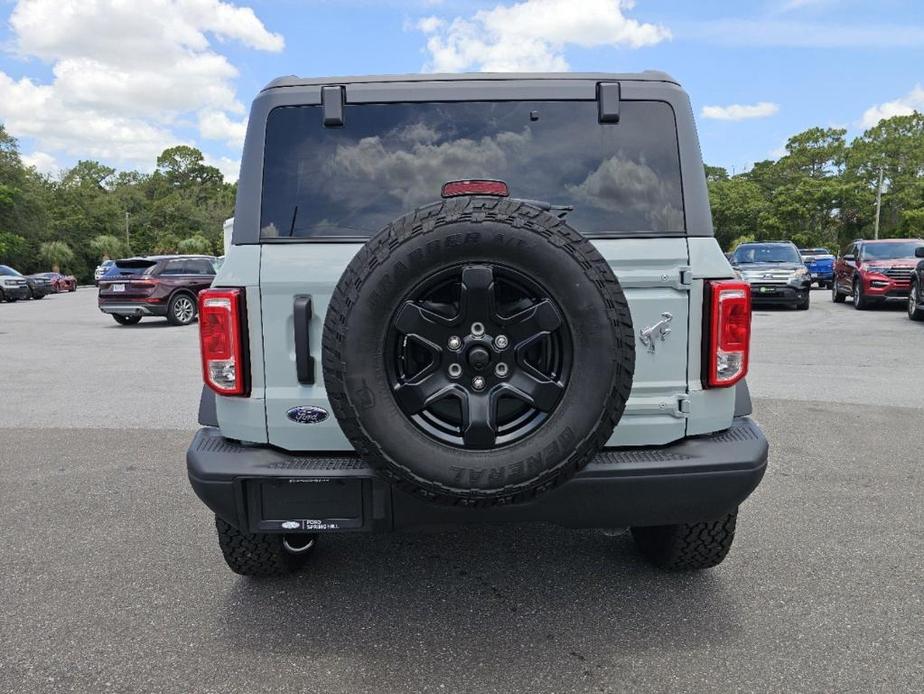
(7, 271)
(890, 251)
(390, 158)
(766, 253)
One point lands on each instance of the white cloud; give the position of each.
(215, 125)
(904, 106)
(42, 161)
(762, 109)
(531, 35)
(125, 74)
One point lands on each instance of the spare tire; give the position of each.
(478, 351)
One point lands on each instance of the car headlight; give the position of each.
(9, 283)
(799, 275)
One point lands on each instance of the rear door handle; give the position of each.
(304, 362)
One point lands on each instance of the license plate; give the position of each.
(767, 290)
(118, 287)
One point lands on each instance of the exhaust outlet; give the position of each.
(298, 544)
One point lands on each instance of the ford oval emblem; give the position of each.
(307, 414)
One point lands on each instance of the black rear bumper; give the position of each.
(262, 489)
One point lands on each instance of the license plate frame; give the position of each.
(118, 288)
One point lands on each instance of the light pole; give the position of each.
(878, 205)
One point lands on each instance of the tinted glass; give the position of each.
(199, 266)
(6, 271)
(130, 268)
(390, 158)
(175, 267)
(760, 253)
(889, 251)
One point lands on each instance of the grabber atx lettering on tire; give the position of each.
(478, 351)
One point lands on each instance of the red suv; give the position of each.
(873, 271)
(155, 286)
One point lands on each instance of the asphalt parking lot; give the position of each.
(111, 579)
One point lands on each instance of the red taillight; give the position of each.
(729, 332)
(454, 189)
(221, 337)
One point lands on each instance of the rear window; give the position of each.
(130, 268)
(324, 183)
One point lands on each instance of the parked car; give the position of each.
(875, 271)
(101, 269)
(820, 264)
(916, 291)
(451, 344)
(13, 286)
(155, 286)
(776, 273)
(59, 283)
(39, 287)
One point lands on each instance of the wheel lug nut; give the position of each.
(501, 342)
(478, 383)
(501, 370)
(477, 329)
(454, 343)
(455, 370)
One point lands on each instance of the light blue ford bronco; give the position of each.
(459, 299)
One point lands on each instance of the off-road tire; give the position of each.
(914, 310)
(474, 230)
(125, 320)
(186, 318)
(687, 546)
(256, 554)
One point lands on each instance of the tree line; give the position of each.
(92, 211)
(821, 192)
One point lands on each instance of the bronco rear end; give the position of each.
(469, 299)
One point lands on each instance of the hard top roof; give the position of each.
(646, 76)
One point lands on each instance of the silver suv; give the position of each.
(469, 299)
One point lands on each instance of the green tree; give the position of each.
(106, 246)
(57, 254)
(195, 245)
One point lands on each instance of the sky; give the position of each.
(120, 80)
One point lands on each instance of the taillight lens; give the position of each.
(221, 337)
(454, 189)
(729, 332)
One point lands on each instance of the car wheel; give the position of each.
(860, 302)
(836, 296)
(914, 309)
(687, 546)
(182, 309)
(125, 320)
(263, 554)
(804, 304)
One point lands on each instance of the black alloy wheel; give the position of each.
(478, 356)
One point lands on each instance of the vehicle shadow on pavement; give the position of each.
(488, 591)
